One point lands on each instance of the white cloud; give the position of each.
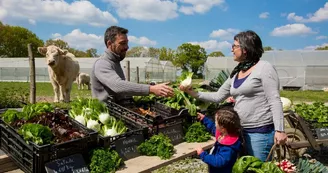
(321, 37)
(83, 41)
(146, 10)
(213, 45)
(315, 46)
(77, 12)
(318, 16)
(292, 29)
(79, 40)
(200, 6)
(144, 41)
(31, 21)
(264, 15)
(224, 34)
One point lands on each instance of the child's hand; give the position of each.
(200, 116)
(199, 150)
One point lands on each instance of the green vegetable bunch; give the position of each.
(11, 115)
(36, 109)
(310, 166)
(104, 161)
(251, 164)
(197, 133)
(36, 133)
(158, 145)
(317, 112)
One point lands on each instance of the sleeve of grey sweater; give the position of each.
(270, 82)
(107, 75)
(216, 97)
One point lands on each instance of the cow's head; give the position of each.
(52, 53)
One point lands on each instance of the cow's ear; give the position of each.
(42, 50)
(62, 52)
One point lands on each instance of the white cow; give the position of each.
(63, 69)
(83, 79)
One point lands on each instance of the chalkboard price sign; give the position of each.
(175, 133)
(127, 147)
(322, 133)
(71, 164)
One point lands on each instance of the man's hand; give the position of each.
(280, 138)
(162, 90)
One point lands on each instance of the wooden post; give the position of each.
(127, 70)
(32, 74)
(138, 75)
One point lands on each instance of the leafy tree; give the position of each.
(134, 51)
(14, 40)
(322, 48)
(216, 54)
(166, 54)
(153, 52)
(91, 52)
(77, 53)
(189, 56)
(267, 48)
(57, 42)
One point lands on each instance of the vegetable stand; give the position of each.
(141, 163)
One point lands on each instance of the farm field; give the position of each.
(44, 92)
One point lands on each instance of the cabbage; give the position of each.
(286, 103)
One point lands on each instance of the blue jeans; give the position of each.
(259, 144)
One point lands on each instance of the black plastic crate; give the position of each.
(32, 158)
(163, 122)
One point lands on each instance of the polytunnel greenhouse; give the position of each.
(150, 69)
(169, 70)
(306, 70)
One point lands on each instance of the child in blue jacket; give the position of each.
(225, 151)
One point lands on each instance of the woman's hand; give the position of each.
(200, 116)
(199, 150)
(280, 138)
(188, 90)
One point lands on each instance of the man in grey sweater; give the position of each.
(107, 77)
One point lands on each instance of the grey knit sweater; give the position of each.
(107, 79)
(257, 98)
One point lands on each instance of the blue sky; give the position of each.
(282, 24)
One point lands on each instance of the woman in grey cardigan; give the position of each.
(254, 84)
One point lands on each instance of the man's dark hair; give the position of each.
(252, 43)
(112, 32)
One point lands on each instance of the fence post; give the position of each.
(138, 74)
(127, 70)
(32, 74)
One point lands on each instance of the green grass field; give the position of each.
(45, 90)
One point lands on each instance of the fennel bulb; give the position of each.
(104, 118)
(80, 119)
(94, 125)
(187, 83)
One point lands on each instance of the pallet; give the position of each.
(142, 164)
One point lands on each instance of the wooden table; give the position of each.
(141, 164)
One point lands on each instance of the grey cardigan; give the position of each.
(107, 79)
(257, 98)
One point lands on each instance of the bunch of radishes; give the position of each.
(286, 166)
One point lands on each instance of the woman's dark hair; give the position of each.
(112, 32)
(250, 42)
(227, 118)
